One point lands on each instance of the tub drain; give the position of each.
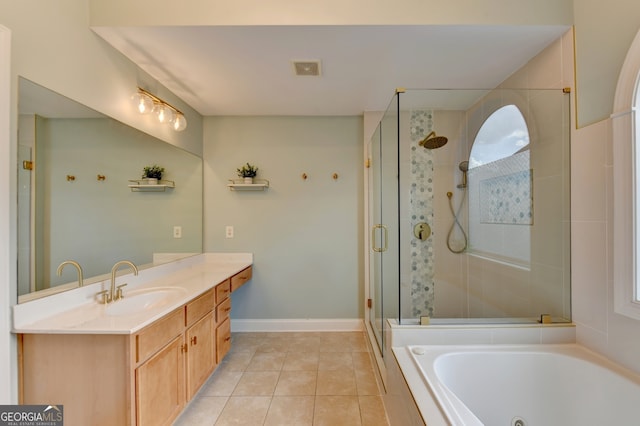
(518, 421)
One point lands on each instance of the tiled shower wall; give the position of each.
(427, 267)
(421, 210)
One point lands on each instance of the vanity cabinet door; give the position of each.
(160, 393)
(223, 339)
(200, 353)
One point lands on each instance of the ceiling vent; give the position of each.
(307, 68)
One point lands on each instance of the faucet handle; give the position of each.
(119, 294)
(105, 297)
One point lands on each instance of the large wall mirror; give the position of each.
(75, 201)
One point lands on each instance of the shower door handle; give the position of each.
(373, 238)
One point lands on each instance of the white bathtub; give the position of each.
(522, 385)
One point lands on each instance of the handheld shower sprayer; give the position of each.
(464, 168)
(463, 243)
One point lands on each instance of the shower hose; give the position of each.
(456, 222)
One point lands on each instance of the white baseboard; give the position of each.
(251, 325)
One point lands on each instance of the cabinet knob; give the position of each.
(194, 340)
(226, 339)
(184, 348)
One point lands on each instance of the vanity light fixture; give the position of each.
(166, 113)
(142, 101)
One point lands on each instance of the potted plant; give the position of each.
(152, 174)
(248, 172)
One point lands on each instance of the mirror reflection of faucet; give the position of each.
(115, 293)
(74, 263)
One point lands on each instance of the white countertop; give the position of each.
(77, 312)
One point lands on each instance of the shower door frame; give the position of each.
(384, 228)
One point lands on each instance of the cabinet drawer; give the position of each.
(158, 334)
(223, 290)
(222, 310)
(240, 278)
(223, 339)
(198, 308)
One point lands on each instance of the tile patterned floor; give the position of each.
(301, 378)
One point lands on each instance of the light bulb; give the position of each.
(142, 102)
(180, 123)
(165, 114)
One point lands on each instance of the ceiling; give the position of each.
(247, 70)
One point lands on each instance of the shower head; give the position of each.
(432, 141)
(464, 168)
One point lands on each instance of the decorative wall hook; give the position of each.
(101, 177)
(71, 178)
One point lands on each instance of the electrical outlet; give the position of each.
(177, 232)
(228, 232)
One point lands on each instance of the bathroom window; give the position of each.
(500, 189)
(502, 134)
(626, 191)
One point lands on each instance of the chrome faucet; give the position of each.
(78, 267)
(114, 295)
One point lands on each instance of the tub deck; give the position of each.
(518, 384)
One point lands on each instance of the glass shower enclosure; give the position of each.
(469, 208)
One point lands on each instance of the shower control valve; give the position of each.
(422, 231)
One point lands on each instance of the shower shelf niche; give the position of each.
(239, 185)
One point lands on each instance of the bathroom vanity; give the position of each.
(133, 364)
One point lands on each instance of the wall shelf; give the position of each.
(140, 185)
(239, 185)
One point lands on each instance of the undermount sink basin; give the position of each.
(138, 301)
